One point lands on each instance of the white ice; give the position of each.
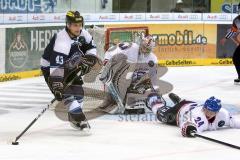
(112, 137)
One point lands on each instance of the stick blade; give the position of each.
(15, 143)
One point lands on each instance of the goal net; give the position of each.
(107, 37)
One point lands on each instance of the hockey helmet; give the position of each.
(213, 104)
(74, 17)
(147, 44)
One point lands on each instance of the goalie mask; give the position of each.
(146, 45)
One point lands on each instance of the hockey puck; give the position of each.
(15, 143)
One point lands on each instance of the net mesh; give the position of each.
(117, 35)
(107, 37)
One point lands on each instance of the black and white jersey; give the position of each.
(62, 47)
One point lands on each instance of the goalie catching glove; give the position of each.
(188, 129)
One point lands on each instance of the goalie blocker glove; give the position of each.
(188, 129)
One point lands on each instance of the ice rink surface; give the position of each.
(116, 137)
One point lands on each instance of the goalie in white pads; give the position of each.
(70, 54)
(130, 72)
(192, 117)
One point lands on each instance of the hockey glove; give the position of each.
(87, 62)
(188, 129)
(57, 87)
(74, 61)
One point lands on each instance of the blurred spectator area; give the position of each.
(119, 6)
(190, 6)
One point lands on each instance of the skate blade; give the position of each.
(85, 132)
(82, 132)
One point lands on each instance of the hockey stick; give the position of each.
(48, 106)
(33, 121)
(216, 141)
(41, 113)
(194, 134)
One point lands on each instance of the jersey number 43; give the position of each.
(59, 59)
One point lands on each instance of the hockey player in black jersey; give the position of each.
(66, 60)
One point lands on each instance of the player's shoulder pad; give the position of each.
(62, 42)
(86, 35)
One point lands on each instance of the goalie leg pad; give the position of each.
(112, 67)
(135, 104)
(115, 73)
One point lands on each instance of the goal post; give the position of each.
(124, 34)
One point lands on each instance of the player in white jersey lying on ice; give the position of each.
(132, 69)
(192, 117)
